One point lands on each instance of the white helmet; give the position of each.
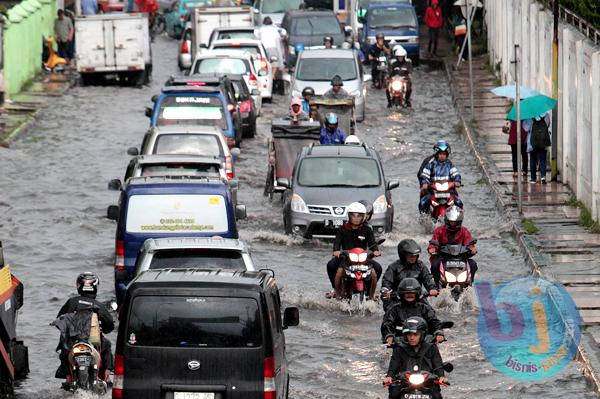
(356, 207)
(352, 139)
(399, 51)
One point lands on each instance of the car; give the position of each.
(193, 253)
(248, 108)
(231, 32)
(205, 141)
(194, 333)
(161, 207)
(307, 28)
(196, 105)
(326, 179)
(106, 6)
(178, 14)
(399, 24)
(274, 9)
(315, 68)
(184, 58)
(221, 63)
(262, 62)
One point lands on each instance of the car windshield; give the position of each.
(236, 34)
(323, 69)
(222, 65)
(188, 144)
(191, 258)
(280, 6)
(338, 172)
(391, 17)
(195, 322)
(316, 26)
(241, 49)
(192, 110)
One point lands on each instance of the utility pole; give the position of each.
(519, 144)
(469, 48)
(554, 161)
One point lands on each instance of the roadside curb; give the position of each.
(526, 245)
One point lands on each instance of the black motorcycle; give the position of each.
(455, 272)
(417, 384)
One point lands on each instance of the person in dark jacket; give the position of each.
(87, 287)
(414, 351)
(409, 292)
(510, 128)
(440, 170)
(330, 133)
(408, 265)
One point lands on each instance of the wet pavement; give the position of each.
(55, 195)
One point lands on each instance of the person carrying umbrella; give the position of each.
(510, 128)
(538, 139)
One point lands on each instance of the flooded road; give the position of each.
(52, 217)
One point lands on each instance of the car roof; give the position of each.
(344, 150)
(203, 76)
(224, 54)
(203, 90)
(162, 184)
(197, 277)
(157, 244)
(241, 42)
(231, 28)
(392, 5)
(192, 129)
(303, 13)
(328, 53)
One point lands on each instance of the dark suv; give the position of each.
(189, 333)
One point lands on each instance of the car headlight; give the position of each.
(414, 39)
(416, 379)
(380, 205)
(462, 277)
(355, 93)
(298, 204)
(451, 278)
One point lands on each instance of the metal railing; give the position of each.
(568, 16)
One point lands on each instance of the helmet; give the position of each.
(298, 102)
(328, 39)
(415, 324)
(352, 139)
(441, 145)
(409, 285)
(356, 207)
(331, 122)
(87, 284)
(368, 207)
(337, 81)
(308, 91)
(399, 51)
(408, 247)
(453, 214)
(379, 36)
(346, 46)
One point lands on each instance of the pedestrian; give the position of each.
(510, 128)
(434, 21)
(270, 37)
(89, 7)
(63, 33)
(460, 35)
(538, 139)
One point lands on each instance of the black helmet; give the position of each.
(441, 145)
(337, 81)
(408, 247)
(331, 122)
(415, 324)
(267, 21)
(369, 208)
(453, 214)
(308, 91)
(379, 36)
(87, 284)
(328, 39)
(409, 285)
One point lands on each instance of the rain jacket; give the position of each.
(398, 313)
(404, 358)
(443, 236)
(79, 303)
(433, 17)
(347, 238)
(397, 272)
(337, 137)
(439, 171)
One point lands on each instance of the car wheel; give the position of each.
(417, 60)
(252, 130)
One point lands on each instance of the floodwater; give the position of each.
(52, 218)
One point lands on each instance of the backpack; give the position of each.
(540, 138)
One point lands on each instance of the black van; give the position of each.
(202, 334)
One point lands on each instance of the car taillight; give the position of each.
(246, 106)
(252, 80)
(117, 389)
(184, 47)
(120, 256)
(230, 107)
(229, 167)
(263, 64)
(269, 374)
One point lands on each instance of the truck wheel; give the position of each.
(86, 79)
(251, 131)
(141, 78)
(20, 359)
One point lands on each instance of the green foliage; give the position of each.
(585, 216)
(529, 226)
(586, 9)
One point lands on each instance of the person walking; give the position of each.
(434, 21)
(538, 139)
(63, 32)
(510, 128)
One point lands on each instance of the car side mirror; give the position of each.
(133, 151)
(148, 112)
(447, 324)
(255, 92)
(291, 317)
(233, 184)
(274, 59)
(202, 45)
(155, 98)
(393, 184)
(367, 77)
(284, 182)
(282, 33)
(112, 213)
(287, 77)
(348, 30)
(115, 185)
(240, 212)
(449, 367)
(235, 153)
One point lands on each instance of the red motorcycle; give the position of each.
(442, 197)
(358, 272)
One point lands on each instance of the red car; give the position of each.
(106, 6)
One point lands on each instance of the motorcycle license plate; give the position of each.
(83, 360)
(194, 395)
(455, 264)
(416, 396)
(442, 195)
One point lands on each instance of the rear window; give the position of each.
(188, 144)
(197, 259)
(223, 65)
(192, 110)
(392, 18)
(180, 169)
(254, 50)
(234, 34)
(316, 25)
(185, 213)
(194, 322)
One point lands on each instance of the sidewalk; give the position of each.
(19, 114)
(562, 249)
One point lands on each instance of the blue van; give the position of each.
(167, 207)
(197, 106)
(397, 21)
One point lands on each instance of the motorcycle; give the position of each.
(455, 272)
(442, 197)
(417, 384)
(358, 272)
(382, 72)
(398, 87)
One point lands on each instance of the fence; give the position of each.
(27, 23)
(529, 24)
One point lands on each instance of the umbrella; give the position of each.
(472, 3)
(532, 107)
(511, 91)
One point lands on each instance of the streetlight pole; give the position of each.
(554, 165)
(470, 59)
(519, 144)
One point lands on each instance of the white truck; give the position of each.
(205, 19)
(113, 44)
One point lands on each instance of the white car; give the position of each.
(223, 62)
(261, 60)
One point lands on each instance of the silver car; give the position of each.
(315, 68)
(193, 253)
(274, 9)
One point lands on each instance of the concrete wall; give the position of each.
(26, 24)
(527, 23)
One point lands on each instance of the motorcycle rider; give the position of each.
(330, 134)
(328, 42)
(407, 266)
(352, 234)
(336, 91)
(87, 287)
(451, 232)
(307, 95)
(296, 112)
(440, 169)
(414, 351)
(400, 62)
(409, 292)
(369, 208)
(378, 49)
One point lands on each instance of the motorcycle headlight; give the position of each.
(451, 278)
(416, 379)
(298, 204)
(396, 85)
(362, 257)
(462, 277)
(380, 205)
(353, 257)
